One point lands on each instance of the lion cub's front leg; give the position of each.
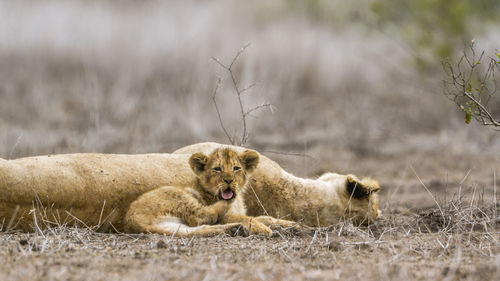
(211, 214)
(172, 210)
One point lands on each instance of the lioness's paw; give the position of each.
(237, 229)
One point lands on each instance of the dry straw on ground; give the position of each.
(463, 245)
(137, 77)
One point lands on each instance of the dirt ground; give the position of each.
(139, 77)
(425, 233)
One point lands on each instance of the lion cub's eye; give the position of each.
(236, 168)
(217, 169)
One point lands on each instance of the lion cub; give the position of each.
(213, 205)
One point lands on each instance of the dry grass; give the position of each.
(108, 76)
(399, 246)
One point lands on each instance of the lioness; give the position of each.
(212, 205)
(96, 190)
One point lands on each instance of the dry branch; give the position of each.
(471, 85)
(219, 82)
(244, 112)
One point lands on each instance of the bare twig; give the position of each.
(15, 145)
(258, 200)
(287, 153)
(471, 84)
(494, 199)
(312, 242)
(219, 82)
(268, 105)
(12, 218)
(100, 216)
(248, 88)
(245, 113)
(35, 221)
(79, 220)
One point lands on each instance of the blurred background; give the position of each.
(347, 79)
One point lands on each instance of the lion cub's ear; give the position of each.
(198, 162)
(249, 159)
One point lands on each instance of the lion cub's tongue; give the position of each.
(227, 194)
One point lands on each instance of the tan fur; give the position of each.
(96, 190)
(314, 202)
(194, 210)
(93, 190)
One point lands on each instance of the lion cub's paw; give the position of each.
(259, 228)
(214, 213)
(236, 229)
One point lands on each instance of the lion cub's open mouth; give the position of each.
(226, 194)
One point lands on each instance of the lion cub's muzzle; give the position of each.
(227, 193)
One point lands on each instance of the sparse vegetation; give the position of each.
(471, 85)
(134, 77)
(463, 245)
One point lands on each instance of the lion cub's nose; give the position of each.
(228, 181)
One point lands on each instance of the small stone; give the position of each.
(335, 246)
(161, 244)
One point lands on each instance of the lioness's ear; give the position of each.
(361, 188)
(249, 159)
(198, 162)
